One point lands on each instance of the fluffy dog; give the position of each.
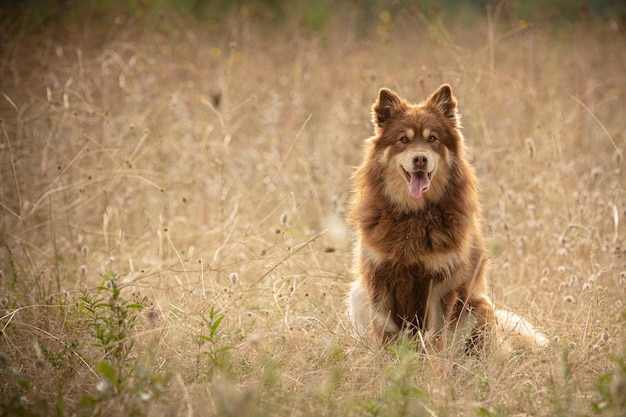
(419, 257)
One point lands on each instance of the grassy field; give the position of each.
(173, 192)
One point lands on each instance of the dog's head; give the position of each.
(416, 145)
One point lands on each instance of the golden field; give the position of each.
(173, 193)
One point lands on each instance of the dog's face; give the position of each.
(416, 145)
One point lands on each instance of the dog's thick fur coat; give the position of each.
(419, 258)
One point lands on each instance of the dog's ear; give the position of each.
(445, 102)
(387, 103)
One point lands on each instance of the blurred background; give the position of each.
(174, 178)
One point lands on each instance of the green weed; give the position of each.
(125, 378)
(213, 345)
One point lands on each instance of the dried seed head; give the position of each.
(596, 174)
(152, 315)
(532, 149)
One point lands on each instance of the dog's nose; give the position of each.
(420, 160)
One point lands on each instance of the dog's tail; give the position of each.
(517, 333)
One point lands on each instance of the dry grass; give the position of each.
(208, 166)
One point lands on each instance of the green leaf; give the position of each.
(108, 371)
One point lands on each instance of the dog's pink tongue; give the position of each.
(419, 183)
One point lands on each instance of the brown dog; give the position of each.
(420, 259)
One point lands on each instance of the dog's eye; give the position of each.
(432, 138)
(405, 139)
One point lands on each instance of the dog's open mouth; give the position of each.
(419, 182)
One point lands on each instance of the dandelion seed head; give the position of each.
(102, 386)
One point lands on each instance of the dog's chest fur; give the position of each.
(419, 256)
